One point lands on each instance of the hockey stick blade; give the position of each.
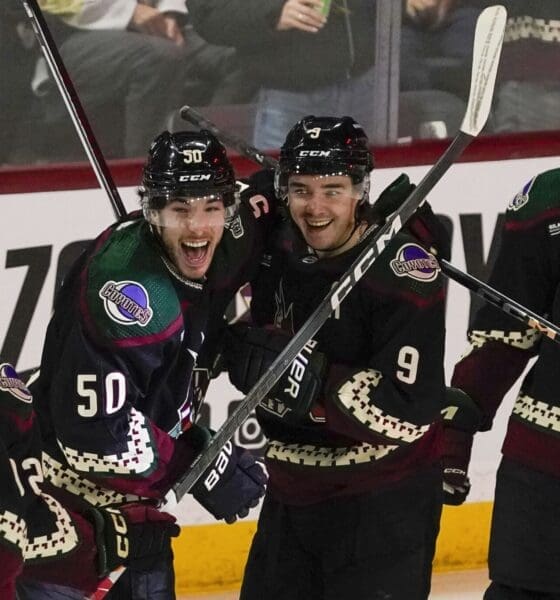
(483, 290)
(192, 116)
(487, 48)
(73, 105)
(380, 238)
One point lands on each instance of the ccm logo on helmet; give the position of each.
(219, 466)
(315, 153)
(198, 177)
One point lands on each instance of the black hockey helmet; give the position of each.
(187, 163)
(325, 146)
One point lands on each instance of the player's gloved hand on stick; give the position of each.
(135, 535)
(249, 353)
(392, 197)
(424, 224)
(461, 419)
(232, 484)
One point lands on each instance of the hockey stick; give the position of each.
(94, 154)
(486, 52)
(501, 301)
(229, 139)
(106, 584)
(73, 104)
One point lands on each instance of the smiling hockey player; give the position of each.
(355, 488)
(123, 369)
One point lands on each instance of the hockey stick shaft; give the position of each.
(106, 584)
(94, 154)
(486, 52)
(73, 104)
(501, 301)
(190, 114)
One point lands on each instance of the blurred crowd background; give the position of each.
(401, 68)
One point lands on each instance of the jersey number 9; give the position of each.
(408, 360)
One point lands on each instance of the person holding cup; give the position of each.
(306, 56)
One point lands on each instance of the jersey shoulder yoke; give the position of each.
(539, 199)
(128, 291)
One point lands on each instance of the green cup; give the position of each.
(326, 8)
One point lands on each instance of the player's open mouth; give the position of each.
(318, 223)
(195, 252)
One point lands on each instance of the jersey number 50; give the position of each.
(114, 394)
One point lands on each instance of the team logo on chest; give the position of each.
(126, 302)
(284, 315)
(11, 383)
(415, 262)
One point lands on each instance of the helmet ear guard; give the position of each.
(325, 146)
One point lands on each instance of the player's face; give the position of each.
(191, 229)
(324, 208)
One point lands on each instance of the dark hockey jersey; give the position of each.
(34, 527)
(527, 268)
(127, 355)
(378, 417)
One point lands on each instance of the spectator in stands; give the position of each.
(304, 60)
(131, 63)
(436, 49)
(17, 57)
(528, 92)
(436, 39)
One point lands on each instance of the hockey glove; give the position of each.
(251, 350)
(461, 420)
(232, 484)
(424, 224)
(135, 535)
(392, 197)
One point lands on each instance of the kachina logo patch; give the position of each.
(10, 382)
(126, 302)
(415, 262)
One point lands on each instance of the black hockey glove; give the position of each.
(461, 420)
(232, 484)
(424, 224)
(135, 535)
(392, 197)
(249, 353)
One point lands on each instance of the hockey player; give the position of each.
(525, 537)
(354, 497)
(39, 537)
(118, 393)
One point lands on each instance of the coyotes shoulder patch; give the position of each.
(415, 262)
(126, 302)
